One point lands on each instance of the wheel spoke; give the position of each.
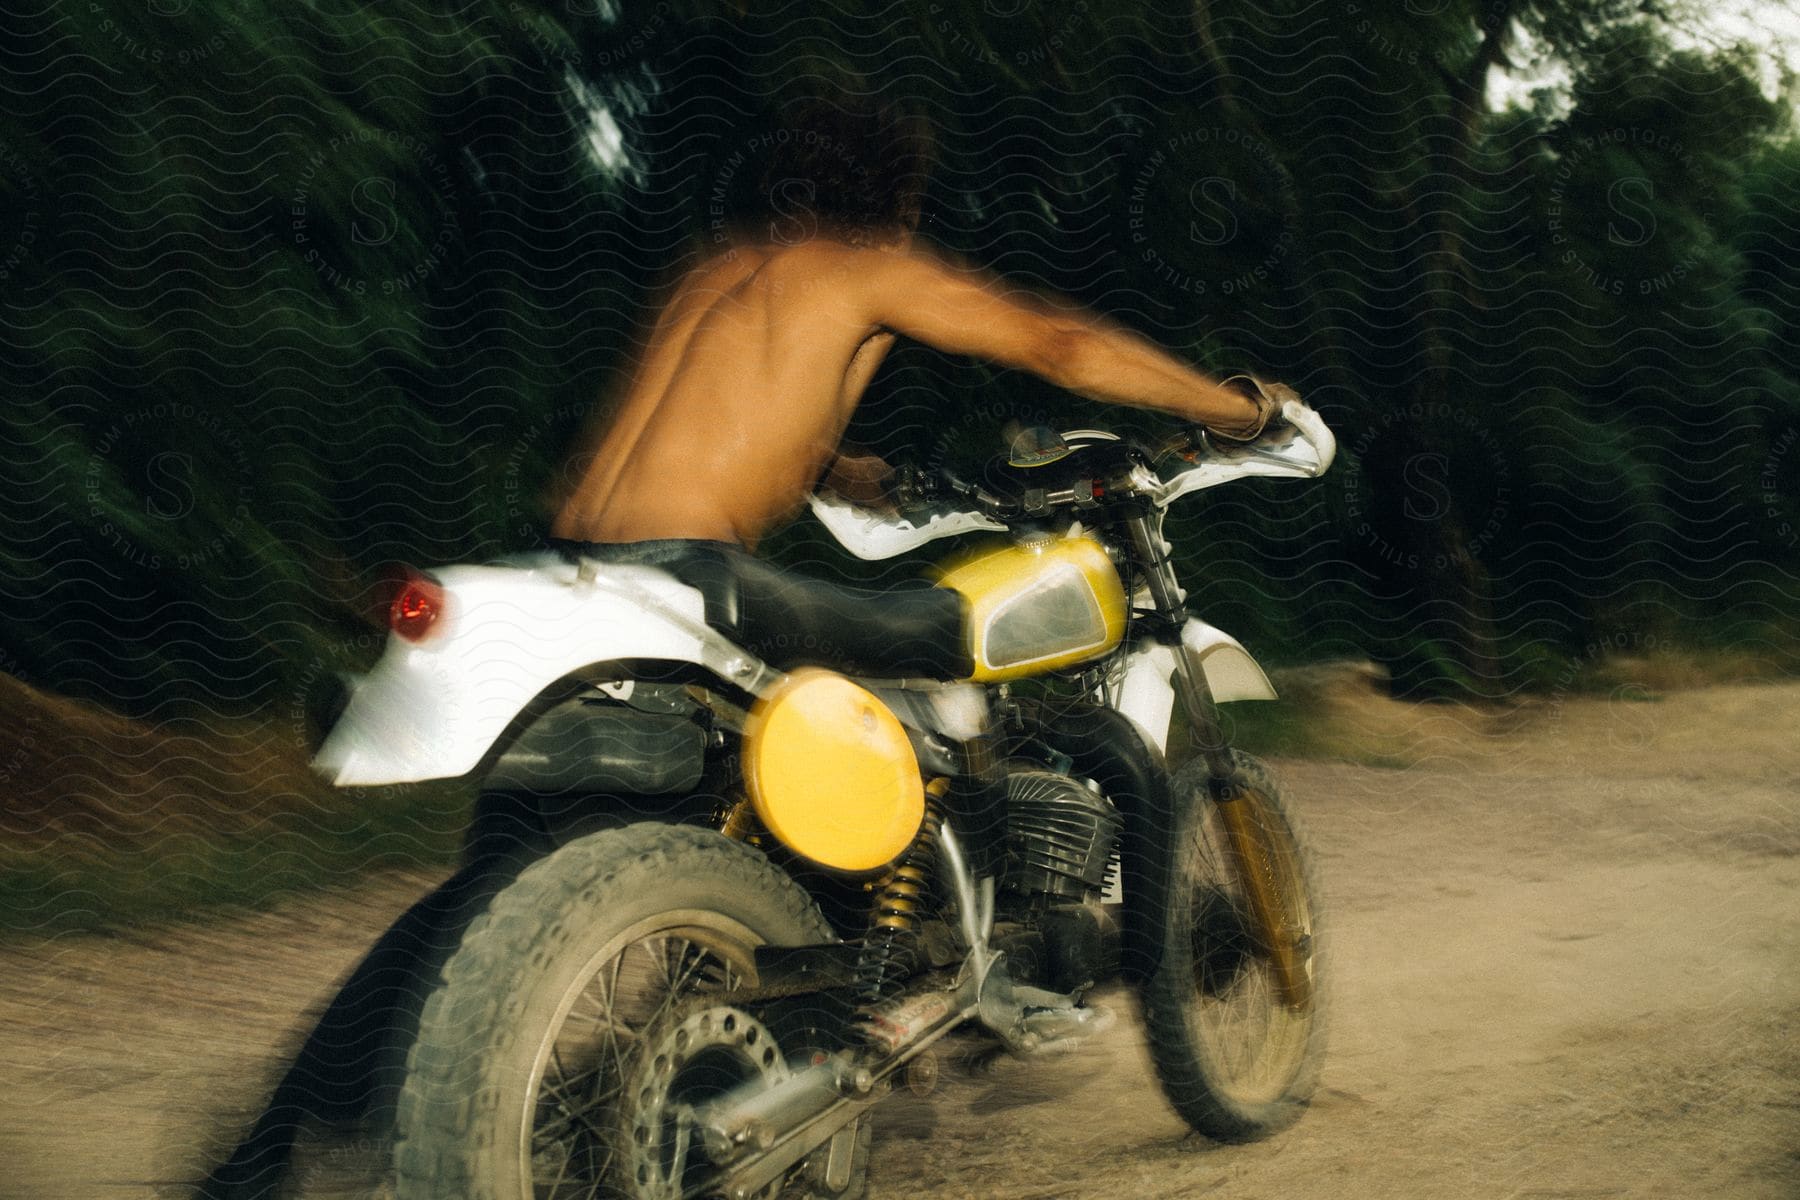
(678, 985)
(562, 1172)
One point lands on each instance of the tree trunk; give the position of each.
(1453, 584)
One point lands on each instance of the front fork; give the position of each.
(1246, 838)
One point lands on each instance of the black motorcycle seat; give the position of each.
(791, 620)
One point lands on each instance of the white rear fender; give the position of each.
(432, 710)
(1147, 695)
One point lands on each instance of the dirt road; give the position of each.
(1567, 951)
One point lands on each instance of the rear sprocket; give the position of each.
(698, 1052)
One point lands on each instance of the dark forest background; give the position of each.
(293, 291)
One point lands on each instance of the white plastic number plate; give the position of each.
(871, 535)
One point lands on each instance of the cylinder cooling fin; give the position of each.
(1061, 833)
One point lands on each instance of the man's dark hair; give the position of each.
(854, 170)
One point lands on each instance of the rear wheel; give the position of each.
(569, 993)
(1236, 1059)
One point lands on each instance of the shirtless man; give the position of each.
(761, 353)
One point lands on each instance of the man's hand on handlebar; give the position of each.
(1266, 399)
(862, 479)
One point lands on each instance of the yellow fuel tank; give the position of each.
(1038, 606)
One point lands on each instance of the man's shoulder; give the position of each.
(868, 270)
(847, 280)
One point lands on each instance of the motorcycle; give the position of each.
(771, 876)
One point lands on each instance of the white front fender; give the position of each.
(432, 710)
(1147, 695)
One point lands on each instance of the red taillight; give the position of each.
(417, 608)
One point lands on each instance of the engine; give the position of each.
(1061, 834)
(1061, 838)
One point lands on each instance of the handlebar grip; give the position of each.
(1312, 427)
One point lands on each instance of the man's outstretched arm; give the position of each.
(970, 312)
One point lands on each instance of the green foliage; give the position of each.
(297, 290)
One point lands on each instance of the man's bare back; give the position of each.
(760, 355)
(748, 379)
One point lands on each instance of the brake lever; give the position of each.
(1184, 441)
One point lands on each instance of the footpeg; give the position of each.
(1050, 1030)
(1029, 1019)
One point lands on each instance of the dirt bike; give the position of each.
(793, 834)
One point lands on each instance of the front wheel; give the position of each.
(1237, 1054)
(587, 1008)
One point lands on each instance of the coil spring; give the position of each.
(895, 916)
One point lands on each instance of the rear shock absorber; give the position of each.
(894, 919)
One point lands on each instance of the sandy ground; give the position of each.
(1567, 963)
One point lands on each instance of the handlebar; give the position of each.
(1295, 442)
(942, 502)
(916, 488)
